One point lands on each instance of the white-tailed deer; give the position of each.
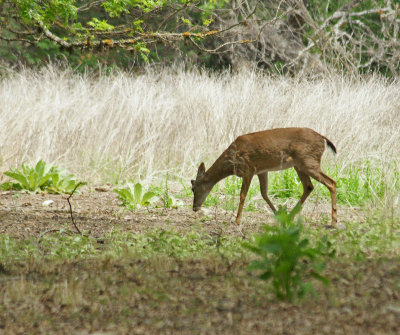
(268, 150)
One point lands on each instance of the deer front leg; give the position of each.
(243, 192)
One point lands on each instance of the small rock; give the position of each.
(47, 203)
(205, 211)
(101, 189)
(393, 308)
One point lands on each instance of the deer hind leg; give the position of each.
(263, 178)
(307, 186)
(318, 175)
(243, 192)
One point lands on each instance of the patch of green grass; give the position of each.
(226, 194)
(357, 185)
(119, 244)
(284, 184)
(84, 282)
(378, 236)
(50, 247)
(194, 244)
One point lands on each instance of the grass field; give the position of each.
(164, 269)
(109, 127)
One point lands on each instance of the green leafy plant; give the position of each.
(63, 182)
(287, 258)
(41, 177)
(32, 179)
(132, 197)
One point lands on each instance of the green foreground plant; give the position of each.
(287, 257)
(42, 177)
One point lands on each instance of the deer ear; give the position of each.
(202, 169)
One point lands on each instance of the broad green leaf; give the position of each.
(266, 275)
(138, 193)
(39, 168)
(43, 180)
(19, 177)
(125, 196)
(8, 186)
(147, 197)
(257, 265)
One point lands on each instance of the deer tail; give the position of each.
(330, 144)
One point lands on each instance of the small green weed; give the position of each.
(186, 188)
(42, 177)
(287, 257)
(172, 202)
(132, 197)
(168, 200)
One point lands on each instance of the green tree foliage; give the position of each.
(79, 29)
(289, 35)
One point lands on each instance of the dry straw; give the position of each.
(172, 119)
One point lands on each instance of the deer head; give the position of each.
(200, 188)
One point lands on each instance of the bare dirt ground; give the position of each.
(168, 296)
(98, 211)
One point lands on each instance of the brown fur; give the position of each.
(268, 150)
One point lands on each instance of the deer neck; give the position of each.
(221, 169)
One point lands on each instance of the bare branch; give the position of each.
(70, 207)
(171, 15)
(89, 5)
(53, 37)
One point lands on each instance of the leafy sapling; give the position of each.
(286, 257)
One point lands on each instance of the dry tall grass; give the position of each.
(174, 119)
